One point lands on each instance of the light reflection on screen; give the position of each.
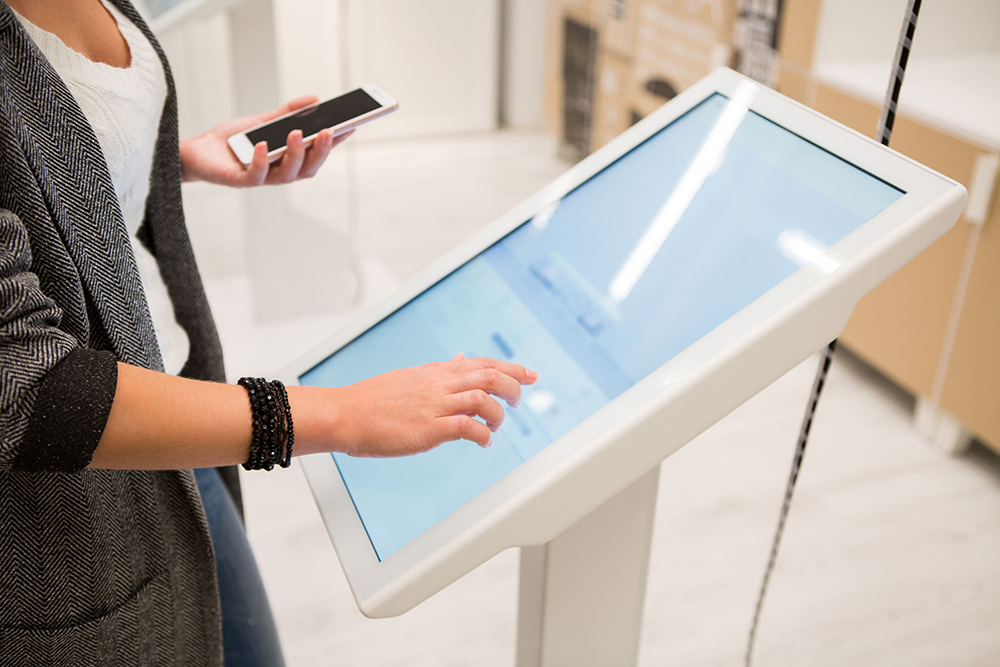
(601, 289)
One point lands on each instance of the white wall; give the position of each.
(200, 57)
(524, 63)
(439, 58)
(867, 30)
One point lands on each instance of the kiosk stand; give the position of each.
(657, 286)
(582, 594)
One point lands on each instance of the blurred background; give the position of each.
(892, 552)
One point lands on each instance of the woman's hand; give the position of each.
(208, 156)
(411, 410)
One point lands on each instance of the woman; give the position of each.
(111, 376)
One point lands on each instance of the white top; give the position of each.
(123, 106)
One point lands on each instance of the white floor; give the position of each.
(891, 555)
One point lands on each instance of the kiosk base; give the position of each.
(582, 594)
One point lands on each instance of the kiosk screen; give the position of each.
(601, 289)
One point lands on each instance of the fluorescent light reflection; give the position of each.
(803, 249)
(541, 402)
(541, 220)
(706, 161)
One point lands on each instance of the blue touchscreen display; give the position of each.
(602, 288)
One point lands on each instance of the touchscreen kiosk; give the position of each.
(654, 287)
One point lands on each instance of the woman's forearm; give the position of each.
(161, 422)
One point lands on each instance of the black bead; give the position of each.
(271, 418)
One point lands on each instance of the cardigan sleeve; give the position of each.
(55, 396)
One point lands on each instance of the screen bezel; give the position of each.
(374, 582)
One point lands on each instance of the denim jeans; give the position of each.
(249, 636)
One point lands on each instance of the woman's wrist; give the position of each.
(321, 426)
(186, 175)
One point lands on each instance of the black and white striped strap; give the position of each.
(884, 134)
(885, 123)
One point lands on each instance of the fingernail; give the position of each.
(532, 375)
(261, 148)
(515, 403)
(489, 443)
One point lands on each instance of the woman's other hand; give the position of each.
(208, 156)
(411, 410)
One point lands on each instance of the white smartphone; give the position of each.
(340, 114)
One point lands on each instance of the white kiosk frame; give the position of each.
(582, 508)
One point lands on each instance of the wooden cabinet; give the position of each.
(971, 387)
(933, 327)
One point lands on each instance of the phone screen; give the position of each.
(328, 114)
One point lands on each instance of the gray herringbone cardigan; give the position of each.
(96, 567)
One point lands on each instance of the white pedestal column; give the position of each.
(297, 265)
(582, 594)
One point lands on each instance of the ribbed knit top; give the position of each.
(123, 106)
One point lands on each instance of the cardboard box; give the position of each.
(612, 112)
(618, 21)
(679, 42)
(793, 81)
(797, 31)
(646, 52)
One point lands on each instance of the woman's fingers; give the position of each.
(410, 410)
(317, 154)
(300, 162)
(500, 378)
(493, 382)
(462, 427)
(257, 170)
(480, 404)
(288, 169)
(521, 374)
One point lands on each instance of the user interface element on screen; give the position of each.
(601, 289)
(328, 114)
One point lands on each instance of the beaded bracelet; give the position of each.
(273, 433)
